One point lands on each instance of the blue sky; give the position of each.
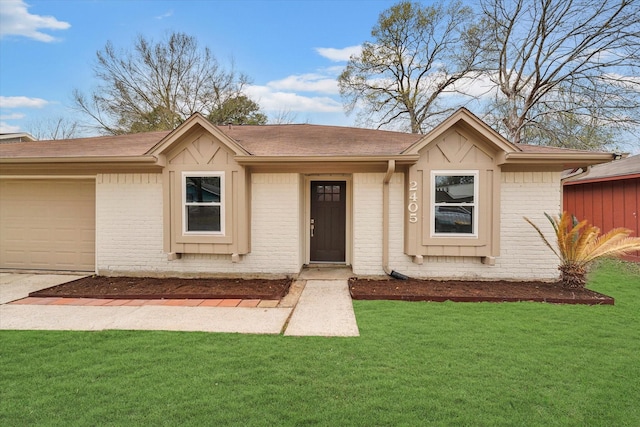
(293, 50)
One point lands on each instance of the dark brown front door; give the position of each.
(328, 221)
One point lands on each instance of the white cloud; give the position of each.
(311, 93)
(308, 93)
(165, 15)
(16, 20)
(339, 55)
(13, 116)
(310, 82)
(7, 128)
(271, 100)
(477, 87)
(21, 102)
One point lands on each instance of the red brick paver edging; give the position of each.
(140, 302)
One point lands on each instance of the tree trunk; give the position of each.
(573, 276)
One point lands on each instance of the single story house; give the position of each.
(607, 195)
(207, 200)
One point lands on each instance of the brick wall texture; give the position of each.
(129, 223)
(523, 255)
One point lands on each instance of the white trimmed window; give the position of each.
(203, 202)
(454, 203)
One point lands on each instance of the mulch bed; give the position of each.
(155, 288)
(472, 291)
(361, 289)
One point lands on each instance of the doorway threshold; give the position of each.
(325, 271)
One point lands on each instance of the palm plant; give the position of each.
(579, 243)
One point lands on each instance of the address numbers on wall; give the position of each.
(413, 206)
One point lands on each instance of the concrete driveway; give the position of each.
(17, 286)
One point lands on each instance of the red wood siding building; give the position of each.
(608, 196)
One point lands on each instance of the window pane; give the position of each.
(203, 218)
(454, 219)
(454, 189)
(203, 189)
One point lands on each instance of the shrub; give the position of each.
(580, 243)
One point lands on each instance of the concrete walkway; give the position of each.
(324, 308)
(206, 319)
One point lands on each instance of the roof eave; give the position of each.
(567, 160)
(80, 159)
(78, 165)
(587, 180)
(267, 160)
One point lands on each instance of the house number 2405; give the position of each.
(412, 207)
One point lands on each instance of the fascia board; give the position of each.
(602, 179)
(265, 160)
(580, 159)
(78, 165)
(80, 159)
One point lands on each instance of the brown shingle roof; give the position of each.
(617, 168)
(103, 146)
(265, 140)
(316, 140)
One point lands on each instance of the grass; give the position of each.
(480, 364)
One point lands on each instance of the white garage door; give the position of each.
(47, 224)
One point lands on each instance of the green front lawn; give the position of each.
(480, 364)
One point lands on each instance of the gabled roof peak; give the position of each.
(195, 120)
(468, 121)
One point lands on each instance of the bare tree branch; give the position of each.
(156, 86)
(418, 53)
(53, 128)
(551, 56)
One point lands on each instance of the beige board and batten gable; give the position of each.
(462, 144)
(197, 147)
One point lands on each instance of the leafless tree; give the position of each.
(417, 55)
(156, 86)
(283, 117)
(565, 70)
(53, 128)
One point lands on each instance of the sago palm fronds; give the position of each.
(580, 243)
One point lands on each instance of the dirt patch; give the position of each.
(154, 288)
(472, 291)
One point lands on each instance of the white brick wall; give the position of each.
(529, 194)
(129, 229)
(367, 223)
(523, 255)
